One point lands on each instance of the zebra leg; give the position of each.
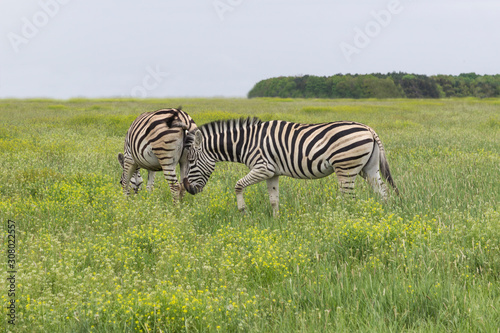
(168, 153)
(239, 197)
(346, 182)
(182, 191)
(274, 194)
(151, 180)
(256, 175)
(377, 184)
(371, 173)
(171, 177)
(175, 187)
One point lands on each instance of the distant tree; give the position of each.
(378, 85)
(349, 87)
(447, 84)
(375, 87)
(486, 86)
(469, 76)
(316, 87)
(334, 81)
(419, 86)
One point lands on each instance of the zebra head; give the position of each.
(199, 164)
(136, 179)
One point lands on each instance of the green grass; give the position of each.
(91, 260)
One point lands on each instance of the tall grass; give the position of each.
(91, 260)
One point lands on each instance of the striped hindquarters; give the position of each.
(154, 136)
(154, 142)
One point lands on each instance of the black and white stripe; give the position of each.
(154, 142)
(280, 148)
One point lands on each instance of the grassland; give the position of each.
(91, 260)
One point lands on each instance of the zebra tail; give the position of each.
(175, 121)
(383, 164)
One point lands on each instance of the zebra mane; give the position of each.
(238, 123)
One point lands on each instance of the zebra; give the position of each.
(280, 148)
(154, 142)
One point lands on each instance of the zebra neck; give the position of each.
(225, 146)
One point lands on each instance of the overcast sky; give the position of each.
(161, 48)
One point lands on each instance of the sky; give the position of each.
(221, 48)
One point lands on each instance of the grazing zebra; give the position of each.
(281, 148)
(154, 142)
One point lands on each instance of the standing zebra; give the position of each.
(154, 142)
(280, 148)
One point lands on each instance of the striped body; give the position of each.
(280, 148)
(154, 142)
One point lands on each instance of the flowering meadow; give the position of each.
(89, 259)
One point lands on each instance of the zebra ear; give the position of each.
(121, 159)
(198, 138)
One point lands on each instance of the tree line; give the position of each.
(390, 85)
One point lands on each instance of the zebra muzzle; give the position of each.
(191, 189)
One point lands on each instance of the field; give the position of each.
(89, 259)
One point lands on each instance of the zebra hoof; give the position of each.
(244, 211)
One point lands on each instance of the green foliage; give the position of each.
(91, 260)
(391, 85)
